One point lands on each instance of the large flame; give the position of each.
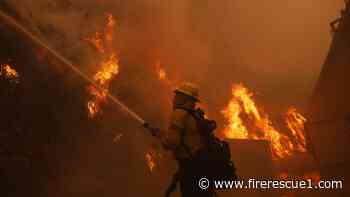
(9, 73)
(235, 128)
(245, 120)
(108, 68)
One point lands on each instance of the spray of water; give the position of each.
(11, 21)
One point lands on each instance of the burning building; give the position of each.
(73, 142)
(329, 124)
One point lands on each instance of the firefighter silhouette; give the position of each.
(190, 137)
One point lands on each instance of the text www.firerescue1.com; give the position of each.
(204, 184)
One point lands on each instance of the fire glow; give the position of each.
(245, 120)
(162, 74)
(9, 73)
(108, 68)
(150, 160)
(152, 157)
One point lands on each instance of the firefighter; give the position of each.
(199, 154)
(183, 139)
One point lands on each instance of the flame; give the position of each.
(97, 42)
(153, 157)
(150, 158)
(162, 74)
(235, 128)
(296, 124)
(111, 22)
(109, 67)
(245, 120)
(9, 73)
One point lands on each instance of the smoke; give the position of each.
(275, 47)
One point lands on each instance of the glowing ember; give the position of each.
(153, 157)
(108, 68)
(246, 121)
(162, 74)
(150, 158)
(9, 73)
(161, 71)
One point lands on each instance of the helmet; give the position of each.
(188, 89)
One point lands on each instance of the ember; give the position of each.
(162, 74)
(150, 160)
(9, 73)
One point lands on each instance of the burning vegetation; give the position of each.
(9, 73)
(245, 120)
(108, 68)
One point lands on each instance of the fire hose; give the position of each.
(12, 22)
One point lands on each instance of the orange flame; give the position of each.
(109, 67)
(111, 22)
(235, 128)
(162, 74)
(100, 39)
(150, 158)
(296, 124)
(246, 121)
(153, 157)
(97, 42)
(9, 73)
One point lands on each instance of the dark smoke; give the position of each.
(275, 47)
